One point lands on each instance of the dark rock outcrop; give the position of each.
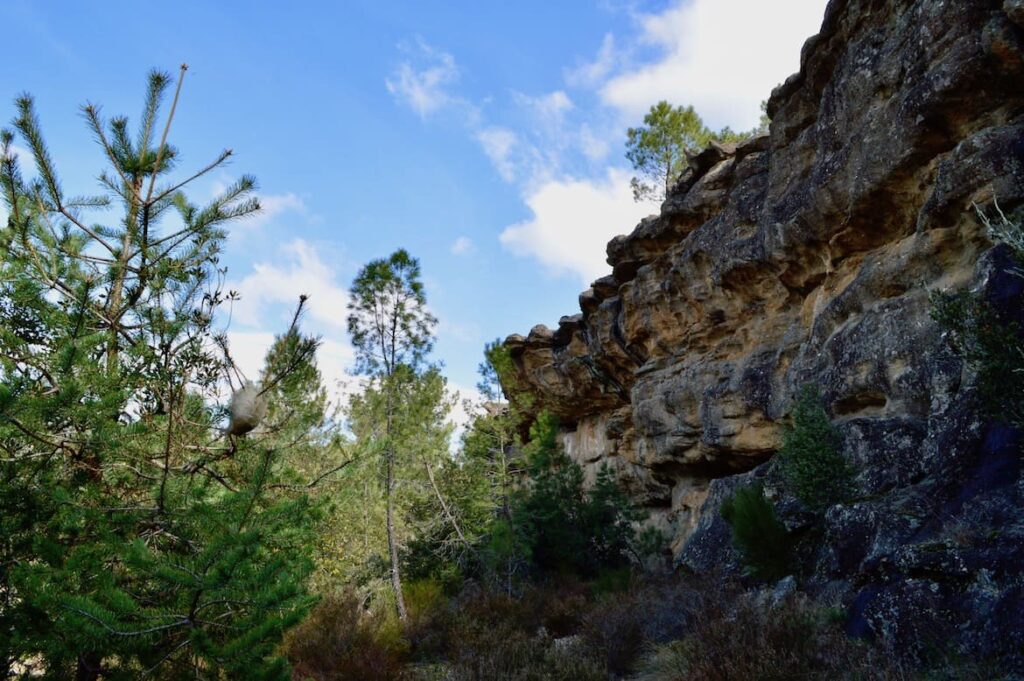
(808, 256)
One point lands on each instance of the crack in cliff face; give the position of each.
(803, 256)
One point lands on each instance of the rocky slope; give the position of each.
(807, 256)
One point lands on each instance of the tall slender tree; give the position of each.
(392, 331)
(489, 448)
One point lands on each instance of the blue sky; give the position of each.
(486, 138)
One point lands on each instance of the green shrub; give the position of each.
(810, 459)
(990, 344)
(526, 637)
(790, 640)
(423, 596)
(430, 618)
(761, 540)
(561, 527)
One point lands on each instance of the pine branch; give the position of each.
(27, 124)
(320, 478)
(302, 353)
(128, 634)
(92, 116)
(224, 156)
(167, 129)
(158, 81)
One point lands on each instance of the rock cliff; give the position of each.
(807, 256)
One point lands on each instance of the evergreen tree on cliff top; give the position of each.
(139, 538)
(659, 148)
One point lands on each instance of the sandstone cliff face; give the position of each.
(807, 256)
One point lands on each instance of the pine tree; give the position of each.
(811, 459)
(759, 537)
(465, 525)
(492, 470)
(392, 332)
(302, 420)
(658, 149)
(561, 524)
(300, 416)
(139, 539)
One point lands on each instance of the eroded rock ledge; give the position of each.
(807, 256)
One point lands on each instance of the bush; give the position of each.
(430, 618)
(986, 336)
(761, 540)
(791, 640)
(341, 640)
(810, 460)
(618, 628)
(614, 630)
(527, 637)
(497, 654)
(563, 528)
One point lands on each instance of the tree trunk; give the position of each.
(366, 519)
(396, 577)
(506, 507)
(389, 484)
(446, 510)
(113, 305)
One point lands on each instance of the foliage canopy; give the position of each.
(139, 538)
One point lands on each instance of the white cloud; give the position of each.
(593, 146)
(268, 296)
(279, 285)
(335, 359)
(273, 206)
(592, 73)
(422, 82)
(572, 222)
(718, 56)
(548, 110)
(462, 246)
(713, 54)
(530, 156)
(467, 401)
(546, 142)
(26, 161)
(499, 144)
(462, 332)
(248, 350)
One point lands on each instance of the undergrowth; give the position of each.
(665, 630)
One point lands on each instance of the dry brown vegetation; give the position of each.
(663, 630)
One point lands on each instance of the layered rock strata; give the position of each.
(808, 256)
